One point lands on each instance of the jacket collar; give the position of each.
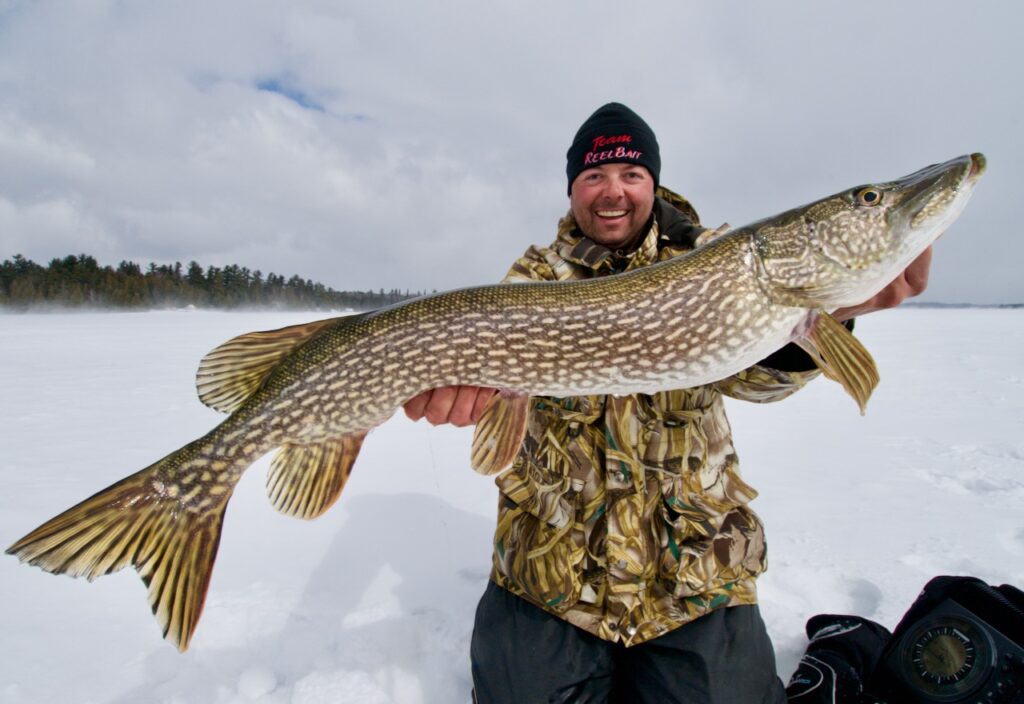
(573, 246)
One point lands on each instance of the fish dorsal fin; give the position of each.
(305, 480)
(709, 235)
(233, 371)
(499, 432)
(841, 357)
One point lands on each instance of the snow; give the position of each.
(374, 601)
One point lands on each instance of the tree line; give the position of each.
(78, 281)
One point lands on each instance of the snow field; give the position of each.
(374, 601)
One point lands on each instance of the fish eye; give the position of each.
(869, 196)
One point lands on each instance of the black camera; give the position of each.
(961, 641)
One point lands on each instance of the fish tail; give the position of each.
(137, 522)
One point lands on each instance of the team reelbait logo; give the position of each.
(620, 152)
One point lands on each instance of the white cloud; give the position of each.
(430, 150)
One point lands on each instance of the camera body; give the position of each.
(961, 641)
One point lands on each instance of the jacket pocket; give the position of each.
(537, 559)
(546, 475)
(671, 434)
(708, 536)
(538, 549)
(701, 552)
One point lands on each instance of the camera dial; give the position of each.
(947, 658)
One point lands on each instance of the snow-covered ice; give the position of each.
(374, 601)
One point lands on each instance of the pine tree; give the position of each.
(78, 281)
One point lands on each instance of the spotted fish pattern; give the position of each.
(312, 392)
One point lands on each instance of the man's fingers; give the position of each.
(917, 273)
(911, 282)
(439, 409)
(483, 397)
(416, 407)
(462, 407)
(458, 405)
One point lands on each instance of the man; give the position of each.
(625, 553)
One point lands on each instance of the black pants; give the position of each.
(523, 655)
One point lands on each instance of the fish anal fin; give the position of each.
(841, 357)
(499, 432)
(230, 373)
(134, 522)
(305, 480)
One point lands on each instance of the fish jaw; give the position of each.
(936, 194)
(932, 199)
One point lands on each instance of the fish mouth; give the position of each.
(978, 165)
(934, 196)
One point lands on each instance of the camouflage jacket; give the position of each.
(627, 516)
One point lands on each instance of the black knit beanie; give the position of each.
(613, 134)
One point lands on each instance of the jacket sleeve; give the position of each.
(775, 377)
(764, 384)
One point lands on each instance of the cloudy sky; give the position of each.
(421, 145)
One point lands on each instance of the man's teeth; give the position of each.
(611, 213)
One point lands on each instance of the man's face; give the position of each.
(612, 202)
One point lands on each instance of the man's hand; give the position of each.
(458, 405)
(911, 282)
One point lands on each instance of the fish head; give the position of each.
(842, 250)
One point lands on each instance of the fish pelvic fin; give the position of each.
(305, 480)
(841, 357)
(232, 372)
(136, 522)
(499, 432)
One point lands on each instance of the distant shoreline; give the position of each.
(56, 308)
(915, 304)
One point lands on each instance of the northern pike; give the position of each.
(315, 390)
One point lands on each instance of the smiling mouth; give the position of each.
(611, 213)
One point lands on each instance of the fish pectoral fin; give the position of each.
(230, 373)
(305, 480)
(841, 357)
(137, 522)
(499, 432)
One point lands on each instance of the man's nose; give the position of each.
(613, 188)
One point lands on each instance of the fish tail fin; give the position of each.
(137, 522)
